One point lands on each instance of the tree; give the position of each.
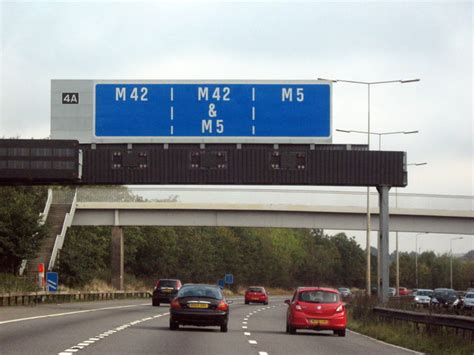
(20, 229)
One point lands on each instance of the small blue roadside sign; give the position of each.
(229, 279)
(52, 281)
(221, 283)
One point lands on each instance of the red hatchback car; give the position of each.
(256, 294)
(403, 291)
(316, 308)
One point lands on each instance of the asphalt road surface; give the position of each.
(135, 327)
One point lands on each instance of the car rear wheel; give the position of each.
(246, 302)
(341, 332)
(224, 328)
(155, 303)
(174, 325)
(290, 329)
(265, 303)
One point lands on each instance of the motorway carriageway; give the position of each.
(135, 327)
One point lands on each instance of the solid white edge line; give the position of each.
(383, 342)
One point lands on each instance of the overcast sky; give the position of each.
(366, 41)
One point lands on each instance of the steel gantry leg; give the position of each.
(383, 242)
(117, 258)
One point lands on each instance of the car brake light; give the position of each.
(175, 304)
(298, 307)
(222, 306)
(340, 308)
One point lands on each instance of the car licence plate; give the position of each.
(254, 298)
(166, 290)
(318, 321)
(198, 305)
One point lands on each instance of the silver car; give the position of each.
(469, 300)
(391, 291)
(423, 297)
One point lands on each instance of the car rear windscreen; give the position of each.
(318, 297)
(167, 283)
(200, 291)
(255, 289)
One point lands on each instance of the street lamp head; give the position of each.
(417, 164)
(409, 81)
(331, 80)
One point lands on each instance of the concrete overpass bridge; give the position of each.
(269, 207)
(247, 206)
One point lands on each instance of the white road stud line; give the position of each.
(253, 342)
(92, 340)
(69, 313)
(244, 327)
(246, 318)
(262, 353)
(247, 333)
(244, 322)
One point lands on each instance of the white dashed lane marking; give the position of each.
(92, 340)
(245, 321)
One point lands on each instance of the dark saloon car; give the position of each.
(165, 290)
(444, 297)
(200, 305)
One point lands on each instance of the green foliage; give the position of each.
(270, 256)
(85, 255)
(20, 232)
(433, 271)
(12, 283)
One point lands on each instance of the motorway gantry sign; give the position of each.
(193, 111)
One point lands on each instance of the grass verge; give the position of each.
(444, 341)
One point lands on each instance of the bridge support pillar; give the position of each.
(117, 258)
(383, 239)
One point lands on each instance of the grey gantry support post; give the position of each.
(383, 239)
(117, 258)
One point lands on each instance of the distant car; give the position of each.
(165, 290)
(345, 292)
(469, 300)
(316, 308)
(391, 291)
(403, 291)
(444, 297)
(200, 305)
(256, 294)
(422, 297)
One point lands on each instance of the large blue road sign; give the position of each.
(52, 281)
(217, 110)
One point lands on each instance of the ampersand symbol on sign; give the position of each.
(212, 110)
